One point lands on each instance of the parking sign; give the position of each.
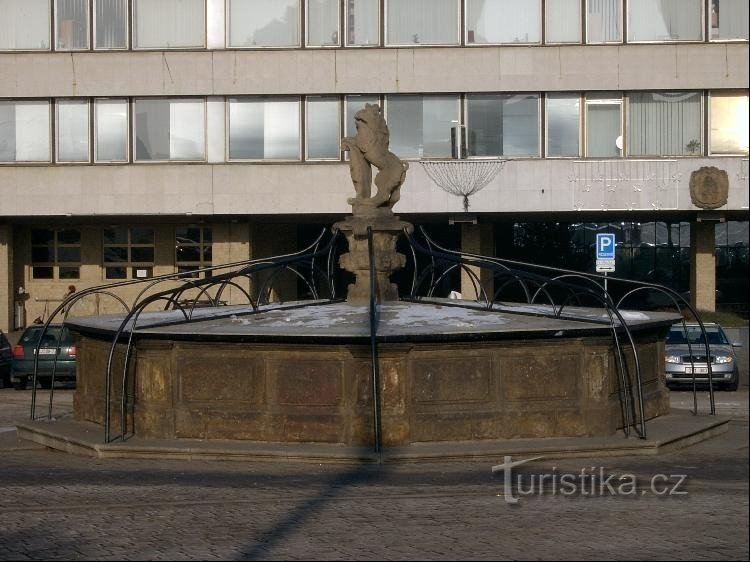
(605, 246)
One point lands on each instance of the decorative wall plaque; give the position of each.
(709, 187)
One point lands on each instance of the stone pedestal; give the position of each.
(386, 228)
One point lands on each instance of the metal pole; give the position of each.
(374, 350)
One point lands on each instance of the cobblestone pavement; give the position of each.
(59, 506)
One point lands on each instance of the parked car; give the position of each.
(6, 358)
(680, 365)
(63, 349)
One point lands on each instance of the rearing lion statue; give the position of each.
(370, 147)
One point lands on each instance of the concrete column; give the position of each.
(232, 242)
(6, 278)
(702, 266)
(477, 239)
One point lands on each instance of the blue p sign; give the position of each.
(605, 246)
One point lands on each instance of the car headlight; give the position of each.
(673, 359)
(723, 359)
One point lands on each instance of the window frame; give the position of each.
(306, 25)
(201, 245)
(581, 24)
(128, 30)
(541, 29)
(301, 30)
(89, 133)
(133, 32)
(55, 264)
(50, 134)
(623, 30)
(89, 20)
(708, 119)
(384, 30)
(604, 101)
(134, 131)
(539, 124)
(95, 136)
(129, 265)
(306, 137)
(264, 98)
(627, 26)
(380, 25)
(50, 26)
(581, 103)
(707, 27)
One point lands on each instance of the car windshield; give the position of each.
(31, 336)
(678, 335)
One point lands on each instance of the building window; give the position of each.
(729, 20)
(353, 105)
(71, 25)
(264, 129)
(604, 125)
(503, 21)
(263, 23)
(170, 129)
(169, 24)
(667, 20)
(128, 252)
(111, 24)
(563, 21)
(503, 124)
(72, 130)
(323, 128)
(363, 23)
(24, 25)
(422, 22)
(729, 123)
(420, 126)
(25, 131)
(563, 125)
(664, 124)
(111, 124)
(323, 23)
(193, 248)
(55, 254)
(603, 21)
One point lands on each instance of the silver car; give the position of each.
(680, 367)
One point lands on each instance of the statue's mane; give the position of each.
(371, 118)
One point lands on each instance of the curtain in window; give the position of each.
(264, 23)
(503, 21)
(604, 21)
(603, 128)
(170, 129)
(170, 23)
(422, 22)
(24, 25)
(24, 131)
(563, 21)
(264, 129)
(729, 19)
(362, 22)
(111, 24)
(664, 124)
(664, 20)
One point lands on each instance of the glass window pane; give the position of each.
(422, 22)
(43, 272)
(69, 254)
(729, 19)
(503, 125)
(322, 22)
(187, 130)
(503, 21)
(69, 236)
(72, 131)
(563, 124)
(666, 20)
(353, 105)
(363, 22)
(68, 272)
(115, 254)
(111, 143)
(563, 19)
(151, 129)
(42, 254)
(420, 126)
(24, 25)
(111, 24)
(188, 253)
(604, 21)
(664, 124)
(116, 235)
(264, 129)
(729, 123)
(42, 236)
(72, 24)
(322, 133)
(142, 255)
(169, 23)
(264, 23)
(142, 236)
(24, 131)
(115, 273)
(603, 129)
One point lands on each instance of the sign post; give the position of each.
(605, 256)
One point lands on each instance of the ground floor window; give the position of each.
(128, 252)
(193, 248)
(55, 254)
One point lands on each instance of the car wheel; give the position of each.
(20, 385)
(45, 383)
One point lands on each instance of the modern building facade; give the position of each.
(142, 137)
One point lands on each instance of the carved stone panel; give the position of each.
(709, 187)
